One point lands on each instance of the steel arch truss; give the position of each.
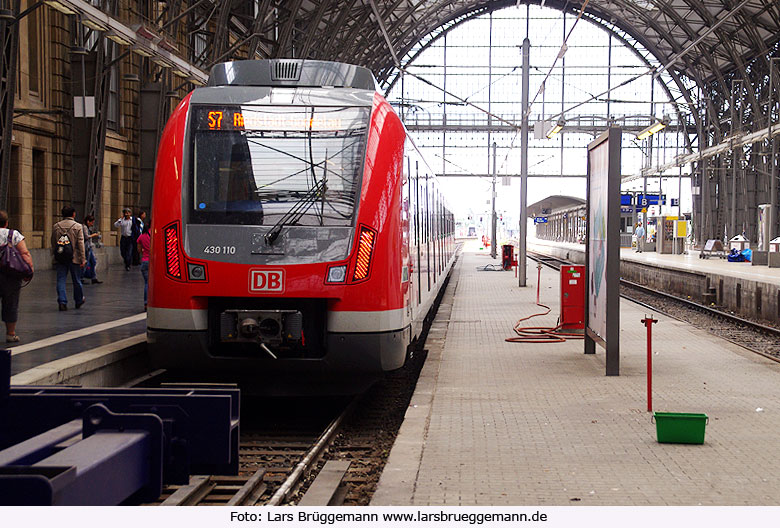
(699, 48)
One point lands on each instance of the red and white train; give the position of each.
(296, 229)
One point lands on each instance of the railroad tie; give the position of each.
(323, 490)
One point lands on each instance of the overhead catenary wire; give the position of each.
(564, 47)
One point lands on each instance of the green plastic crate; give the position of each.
(680, 428)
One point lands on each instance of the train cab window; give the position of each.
(259, 164)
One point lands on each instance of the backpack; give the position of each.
(63, 253)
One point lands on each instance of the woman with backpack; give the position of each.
(10, 286)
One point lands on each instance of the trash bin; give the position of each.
(680, 428)
(507, 256)
(739, 243)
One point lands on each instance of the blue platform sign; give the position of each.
(650, 199)
(540, 220)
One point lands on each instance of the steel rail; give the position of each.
(311, 456)
(704, 308)
(768, 330)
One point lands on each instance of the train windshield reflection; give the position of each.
(252, 165)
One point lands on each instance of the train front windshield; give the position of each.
(260, 165)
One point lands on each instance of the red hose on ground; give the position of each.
(541, 334)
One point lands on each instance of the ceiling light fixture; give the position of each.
(118, 38)
(54, 4)
(142, 51)
(659, 125)
(557, 127)
(92, 24)
(161, 62)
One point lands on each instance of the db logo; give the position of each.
(266, 281)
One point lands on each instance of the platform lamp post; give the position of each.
(493, 209)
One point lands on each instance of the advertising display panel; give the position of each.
(602, 318)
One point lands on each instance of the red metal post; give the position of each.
(538, 280)
(648, 322)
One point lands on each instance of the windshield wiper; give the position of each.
(297, 211)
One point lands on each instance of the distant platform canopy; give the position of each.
(552, 204)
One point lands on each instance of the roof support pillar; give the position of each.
(9, 39)
(521, 250)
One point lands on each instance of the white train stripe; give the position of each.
(379, 321)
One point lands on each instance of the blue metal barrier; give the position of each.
(103, 446)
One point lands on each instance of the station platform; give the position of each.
(113, 312)
(498, 423)
(687, 262)
(747, 290)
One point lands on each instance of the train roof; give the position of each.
(292, 73)
(555, 203)
(280, 96)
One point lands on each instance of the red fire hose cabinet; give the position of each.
(572, 297)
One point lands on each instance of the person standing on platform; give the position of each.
(67, 242)
(11, 286)
(90, 270)
(640, 237)
(144, 249)
(138, 228)
(126, 242)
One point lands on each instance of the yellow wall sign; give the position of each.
(682, 228)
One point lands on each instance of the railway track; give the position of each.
(310, 452)
(273, 460)
(751, 335)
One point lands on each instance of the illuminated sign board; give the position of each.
(293, 119)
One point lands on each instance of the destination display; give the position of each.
(294, 119)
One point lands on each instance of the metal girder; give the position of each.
(220, 40)
(257, 27)
(99, 446)
(9, 38)
(97, 145)
(206, 419)
(314, 27)
(285, 41)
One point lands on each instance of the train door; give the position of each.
(442, 230)
(417, 227)
(406, 245)
(428, 213)
(435, 232)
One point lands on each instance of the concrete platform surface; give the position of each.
(497, 423)
(113, 308)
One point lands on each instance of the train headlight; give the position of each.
(364, 250)
(173, 263)
(196, 272)
(337, 273)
